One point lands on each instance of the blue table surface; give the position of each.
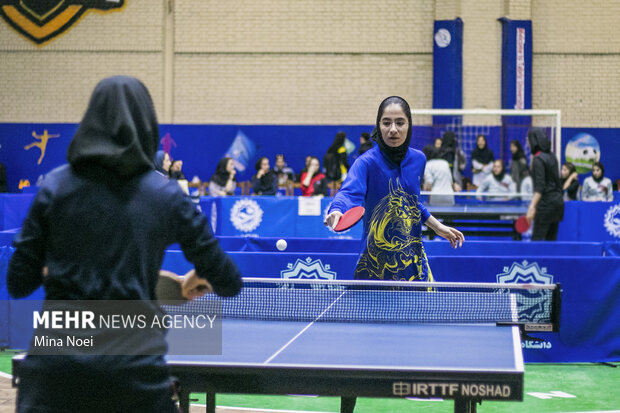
(333, 345)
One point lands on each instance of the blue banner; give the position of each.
(447, 66)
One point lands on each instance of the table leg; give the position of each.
(464, 406)
(347, 404)
(210, 402)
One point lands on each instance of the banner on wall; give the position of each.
(43, 21)
(447, 66)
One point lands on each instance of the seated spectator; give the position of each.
(265, 182)
(162, 163)
(438, 177)
(597, 187)
(306, 165)
(527, 186)
(175, 171)
(223, 181)
(365, 143)
(518, 163)
(570, 181)
(313, 182)
(497, 183)
(481, 160)
(284, 172)
(437, 144)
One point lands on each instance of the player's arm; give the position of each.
(203, 250)
(538, 180)
(352, 193)
(26, 267)
(453, 235)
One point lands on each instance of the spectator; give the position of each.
(223, 181)
(306, 165)
(437, 177)
(265, 182)
(527, 186)
(597, 187)
(497, 183)
(365, 143)
(570, 181)
(176, 172)
(455, 157)
(313, 182)
(546, 208)
(481, 160)
(335, 160)
(162, 163)
(284, 172)
(518, 164)
(437, 144)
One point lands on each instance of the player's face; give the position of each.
(596, 172)
(394, 125)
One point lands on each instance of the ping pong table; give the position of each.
(369, 339)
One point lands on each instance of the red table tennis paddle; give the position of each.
(350, 218)
(521, 224)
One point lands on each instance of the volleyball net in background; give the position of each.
(499, 126)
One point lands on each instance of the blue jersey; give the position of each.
(392, 246)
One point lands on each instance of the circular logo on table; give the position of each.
(246, 215)
(443, 37)
(612, 220)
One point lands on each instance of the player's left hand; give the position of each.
(195, 286)
(453, 235)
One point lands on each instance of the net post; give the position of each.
(556, 303)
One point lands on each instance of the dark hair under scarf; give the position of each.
(520, 152)
(337, 143)
(398, 153)
(119, 131)
(221, 175)
(448, 147)
(602, 168)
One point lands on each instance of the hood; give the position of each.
(537, 138)
(119, 131)
(395, 154)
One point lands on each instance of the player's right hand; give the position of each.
(332, 219)
(195, 286)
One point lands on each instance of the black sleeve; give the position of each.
(24, 275)
(256, 189)
(538, 175)
(203, 250)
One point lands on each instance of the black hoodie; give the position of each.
(545, 177)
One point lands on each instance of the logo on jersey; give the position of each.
(612, 220)
(43, 20)
(308, 269)
(246, 215)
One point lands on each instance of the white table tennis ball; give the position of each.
(281, 245)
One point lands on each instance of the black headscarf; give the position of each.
(520, 152)
(119, 131)
(221, 175)
(484, 155)
(537, 138)
(500, 175)
(602, 168)
(398, 153)
(337, 143)
(448, 147)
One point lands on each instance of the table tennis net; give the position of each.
(534, 305)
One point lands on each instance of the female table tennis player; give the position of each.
(100, 226)
(386, 181)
